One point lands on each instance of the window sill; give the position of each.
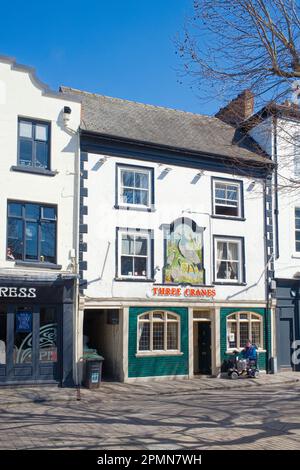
(296, 255)
(134, 208)
(218, 283)
(37, 264)
(231, 351)
(158, 353)
(132, 279)
(223, 217)
(34, 170)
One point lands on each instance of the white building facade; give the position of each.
(277, 130)
(172, 241)
(39, 175)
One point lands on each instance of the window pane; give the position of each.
(243, 316)
(15, 209)
(297, 223)
(31, 239)
(25, 157)
(158, 315)
(172, 317)
(226, 210)
(126, 266)
(172, 335)
(41, 149)
(158, 336)
(22, 352)
(297, 246)
(48, 213)
(297, 212)
(3, 345)
(41, 132)
(233, 252)
(127, 196)
(127, 178)
(256, 330)
(127, 245)
(15, 239)
(244, 333)
(25, 129)
(141, 180)
(47, 248)
(140, 266)
(231, 331)
(140, 246)
(48, 335)
(141, 197)
(221, 270)
(144, 336)
(32, 211)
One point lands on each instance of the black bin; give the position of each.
(93, 371)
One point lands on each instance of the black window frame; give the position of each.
(40, 220)
(34, 123)
(241, 211)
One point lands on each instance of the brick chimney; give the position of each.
(238, 110)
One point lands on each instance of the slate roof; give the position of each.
(163, 126)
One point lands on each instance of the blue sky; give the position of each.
(121, 48)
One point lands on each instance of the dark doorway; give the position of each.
(204, 348)
(30, 343)
(285, 336)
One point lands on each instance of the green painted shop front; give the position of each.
(263, 355)
(157, 365)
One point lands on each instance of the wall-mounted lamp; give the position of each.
(251, 186)
(67, 114)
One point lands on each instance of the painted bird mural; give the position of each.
(188, 250)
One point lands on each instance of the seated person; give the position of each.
(250, 351)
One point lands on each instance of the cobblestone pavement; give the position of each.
(162, 415)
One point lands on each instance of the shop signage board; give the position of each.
(183, 292)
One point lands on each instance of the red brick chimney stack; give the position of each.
(238, 110)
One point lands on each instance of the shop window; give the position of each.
(135, 187)
(3, 343)
(34, 144)
(31, 233)
(229, 260)
(243, 326)
(22, 352)
(134, 254)
(48, 335)
(158, 331)
(227, 198)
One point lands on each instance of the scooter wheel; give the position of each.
(234, 375)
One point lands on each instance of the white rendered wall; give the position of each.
(288, 262)
(175, 196)
(21, 96)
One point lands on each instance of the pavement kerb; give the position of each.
(95, 396)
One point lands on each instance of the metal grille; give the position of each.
(256, 333)
(144, 335)
(158, 336)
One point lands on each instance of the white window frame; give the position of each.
(135, 233)
(165, 351)
(252, 317)
(134, 169)
(239, 242)
(237, 184)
